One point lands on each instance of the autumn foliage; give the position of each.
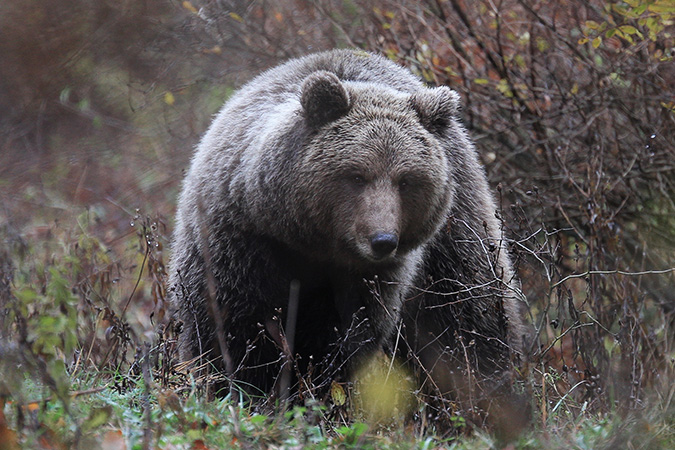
(571, 105)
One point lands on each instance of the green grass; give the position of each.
(81, 366)
(172, 422)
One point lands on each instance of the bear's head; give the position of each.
(374, 177)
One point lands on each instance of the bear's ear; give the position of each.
(435, 107)
(323, 98)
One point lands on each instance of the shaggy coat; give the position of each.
(341, 178)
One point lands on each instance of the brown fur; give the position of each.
(342, 171)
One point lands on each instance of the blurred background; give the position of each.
(571, 105)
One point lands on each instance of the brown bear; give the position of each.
(343, 183)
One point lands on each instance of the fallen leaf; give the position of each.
(113, 440)
(337, 393)
(198, 444)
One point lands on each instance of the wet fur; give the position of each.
(296, 173)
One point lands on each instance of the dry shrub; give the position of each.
(571, 105)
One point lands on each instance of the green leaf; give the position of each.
(26, 295)
(520, 61)
(97, 417)
(640, 9)
(481, 81)
(628, 29)
(258, 419)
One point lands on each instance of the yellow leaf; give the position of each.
(575, 89)
(504, 87)
(236, 17)
(187, 5)
(480, 81)
(596, 42)
(384, 391)
(592, 24)
(337, 393)
(169, 99)
(628, 29)
(662, 7)
(582, 41)
(215, 50)
(670, 106)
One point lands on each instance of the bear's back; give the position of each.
(281, 85)
(276, 84)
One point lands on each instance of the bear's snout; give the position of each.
(383, 244)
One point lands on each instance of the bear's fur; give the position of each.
(342, 171)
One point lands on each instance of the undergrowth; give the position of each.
(86, 364)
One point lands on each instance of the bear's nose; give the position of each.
(383, 244)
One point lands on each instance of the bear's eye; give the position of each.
(404, 184)
(358, 180)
